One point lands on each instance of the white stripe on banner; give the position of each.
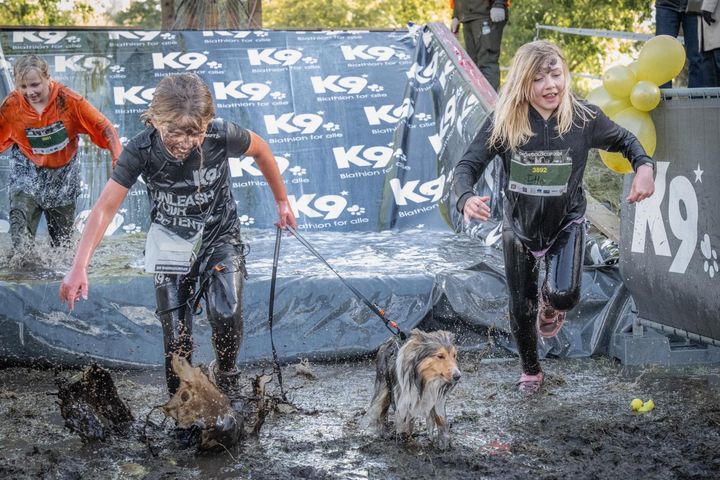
(638, 37)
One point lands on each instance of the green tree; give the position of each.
(42, 12)
(353, 14)
(141, 14)
(584, 53)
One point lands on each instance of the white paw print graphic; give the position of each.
(167, 36)
(309, 60)
(246, 220)
(214, 65)
(376, 88)
(132, 228)
(278, 95)
(260, 33)
(423, 116)
(711, 264)
(402, 55)
(399, 154)
(356, 210)
(73, 39)
(298, 171)
(331, 127)
(117, 69)
(124, 140)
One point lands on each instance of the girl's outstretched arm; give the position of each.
(75, 283)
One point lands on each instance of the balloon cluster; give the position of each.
(628, 93)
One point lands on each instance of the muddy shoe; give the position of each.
(229, 383)
(549, 320)
(530, 384)
(187, 437)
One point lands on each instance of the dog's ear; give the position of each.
(418, 334)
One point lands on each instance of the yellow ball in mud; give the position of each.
(647, 406)
(636, 404)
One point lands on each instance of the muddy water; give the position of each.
(579, 426)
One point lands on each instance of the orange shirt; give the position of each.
(50, 139)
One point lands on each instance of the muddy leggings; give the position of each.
(561, 287)
(222, 280)
(25, 213)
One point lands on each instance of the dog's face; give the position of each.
(437, 356)
(440, 364)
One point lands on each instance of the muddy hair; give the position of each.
(179, 99)
(511, 127)
(30, 62)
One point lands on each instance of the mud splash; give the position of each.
(580, 426)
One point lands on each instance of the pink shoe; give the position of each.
(530, 384)
(549, 320)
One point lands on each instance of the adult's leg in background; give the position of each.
(699, 65)
(564, 267)
(488, 53)
(172, 293)
(522, 281)
(667, 22)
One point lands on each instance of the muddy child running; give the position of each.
(194, 244)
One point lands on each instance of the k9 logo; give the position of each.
(304, 123)
(416, 192)
(134, 95)
(388, 113)
(338, 84)
(366, 52)
(179, 60)
(46, 38)
(274, 56)
(358, 155)
(246, 165)
(238, 90)
(80, 63)
(137, 35)
(329, 207)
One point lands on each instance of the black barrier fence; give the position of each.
(670, 242)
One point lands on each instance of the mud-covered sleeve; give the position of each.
(128, 167)
(608, 135)
(238, 140)
(101, 131)
(472, 164)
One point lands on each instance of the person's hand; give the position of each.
(643, 185)
(74, 286)
(476, 207)
(497, 14)
(455, 25)
(285, 215)
(707, 16)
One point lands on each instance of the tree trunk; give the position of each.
(211, 14)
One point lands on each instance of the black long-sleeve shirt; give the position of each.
(542, 179)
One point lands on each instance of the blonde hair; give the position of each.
(181, 99)
(511, 127)
(30, 62)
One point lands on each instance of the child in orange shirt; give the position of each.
(41, 120)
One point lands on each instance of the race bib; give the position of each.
(168, 252)
(544, 173)
(46, 140)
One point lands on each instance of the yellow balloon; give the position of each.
(607, 103)
(645, 96)
(619, 80)
(660, 60)
(599, 96)
(642, 126)
(615, 106)
(633, 66)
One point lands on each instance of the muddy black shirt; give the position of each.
(188, 194)
(542, 179)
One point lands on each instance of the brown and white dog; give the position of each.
(416, 377)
